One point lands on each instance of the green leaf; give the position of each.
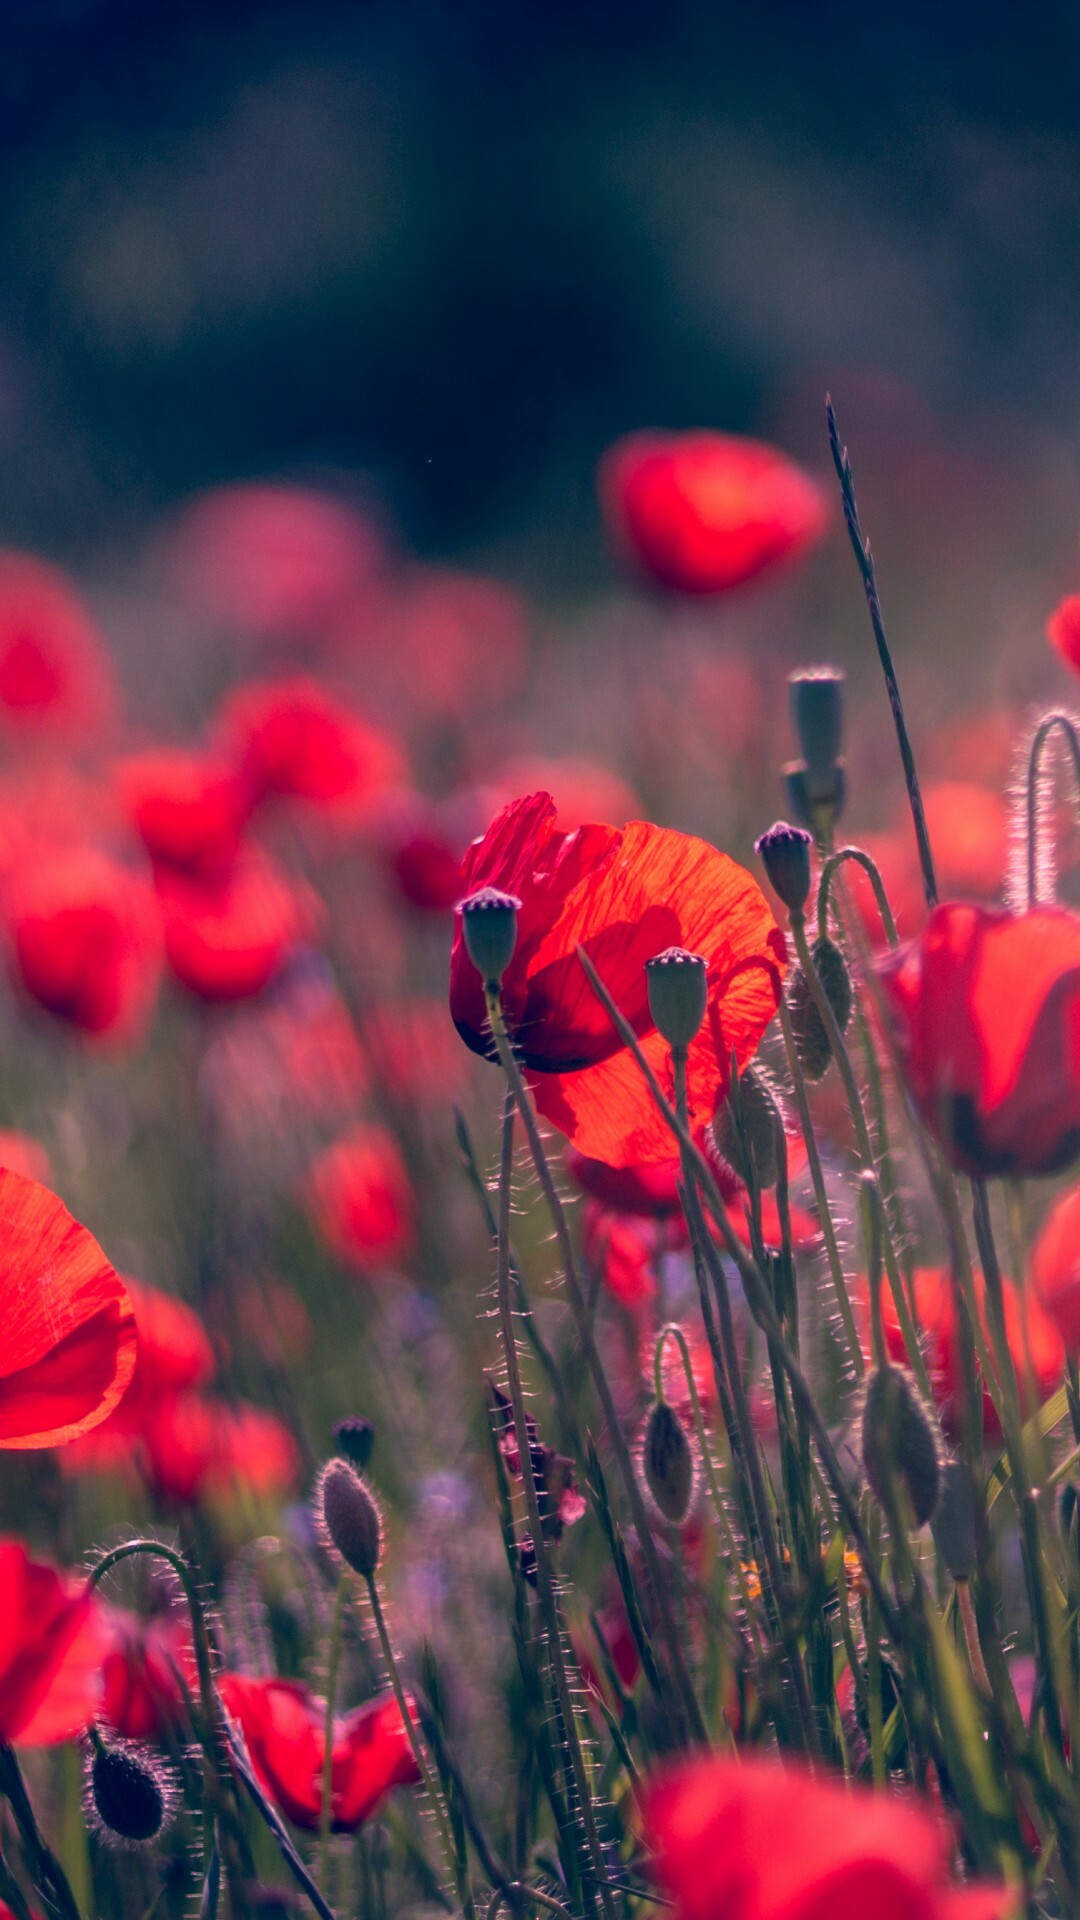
(1040, 1425)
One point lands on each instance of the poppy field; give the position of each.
(539, 1282)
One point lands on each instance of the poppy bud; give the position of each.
(128, 1792)
(354, 1439)
(807, 1026)
(678, 984)
(807, 794)
(667, 1462)
(489, 925)
(748, 1135)
(785, 854)
(953, 1520)
(816, 701)
(349, 1516)
(899, 1441)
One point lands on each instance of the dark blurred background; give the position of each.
(455, 248)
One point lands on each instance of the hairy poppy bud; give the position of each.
(667, 1462)
(678, 984)
(128, 1792)
(752, 1147)
(807, 1026)
(348, 1513)
(953, 1520)
(816, 700)
(489, 924)
(785, 854)
(899, 1441)
(354, 1439)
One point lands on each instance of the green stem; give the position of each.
(864, 558)
(332, 1663)
(817, 1176)
(829, 871)
(578, 1792)
(415, 1742)
(863, 1141)
(690, 1714)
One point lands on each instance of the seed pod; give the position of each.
(816, 702)
(785, 854)
(349, 1516)
(806, 796)
(807, 1026)
(953, 1520)
(678, 984)
(128, 1792)
(354, 1439)
(753, 1150)
(489, 926)
(899, 1441)
(667, 1462)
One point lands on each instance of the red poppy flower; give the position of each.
(412, 1050)
(55, 676)
(360, 1199)
(1063, 630)
(624, 896)
(292, 738)
(986, 1009)
(174, 1351)
(586, 791)
(625, 1251)
(284, 1727)
(702, 512)
(1055, 1267)
(226, 938)
(85, 938)
(144, 1673)
(749, 1839)
(935, 1315)
(188, 810)
(195, 1448)
(51, 1643)
(67, 1352)
(274, 561)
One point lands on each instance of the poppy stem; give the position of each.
(869, 866)
(430, 1784)
(577, 1780)
(863, 1142)
(217, 1791)
(757, 1295)
(690, 1714)
(1036, 796)
(821, 1197)
(865, 561)
(332, 1663)
(49, 1874)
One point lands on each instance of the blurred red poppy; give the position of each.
(226, 938)
(624, 896)
(440, 644)
(188, 810)
(147, 1665)
(24, 1155)
(52, 1637)
(360, 1199)
(274, 561)
(412, 1050)
(1030, 1333)
(85, 937)
(702, 512)
(284, 1726)
(986, 1013)
(749, 1839)
(1063, 630)
(969, 831)
(292, 738)
(55, 675)
(1055, 1267)
(67, 1352)
(174, 1350)
(195, 1447)
(625, 1251)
